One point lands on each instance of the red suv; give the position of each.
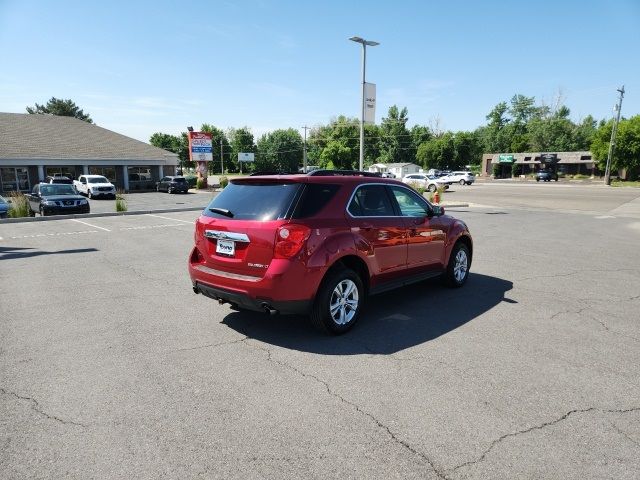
(318, 244)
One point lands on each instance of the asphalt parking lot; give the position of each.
(110, 367)
(153, 201)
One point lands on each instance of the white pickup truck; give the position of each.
(95, 186)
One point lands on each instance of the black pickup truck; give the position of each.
(56, 199)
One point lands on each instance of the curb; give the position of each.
(453, 205)
(95, 215)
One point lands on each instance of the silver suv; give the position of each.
(463, 178)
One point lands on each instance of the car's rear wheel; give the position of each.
(432, 188)
(458, 267)
(338, 302)
(462, 182)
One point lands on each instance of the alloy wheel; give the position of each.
(344, 302)
(460, 266)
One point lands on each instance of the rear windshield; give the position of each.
(253, 201)
(179, 180)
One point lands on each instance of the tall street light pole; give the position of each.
(364, 66)
(612, 143)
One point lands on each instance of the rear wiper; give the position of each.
(222, 211)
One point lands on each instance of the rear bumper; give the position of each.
(244, 301)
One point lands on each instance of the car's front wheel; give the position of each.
(338, 302)
(458, 267)
(432, 188)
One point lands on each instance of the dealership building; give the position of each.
(570, 163)
(33, 147)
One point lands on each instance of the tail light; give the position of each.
(290, 239)
(196, 256)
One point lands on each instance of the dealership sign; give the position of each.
(200, 147)
(505, 158)
(370, 103)
(245, 157)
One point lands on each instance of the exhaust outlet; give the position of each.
(195, 290)
(269, 309)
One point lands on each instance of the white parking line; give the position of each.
(172, 219)
(53, 234)
(89, 225)
(145, 227)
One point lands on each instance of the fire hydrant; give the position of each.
(436, 197)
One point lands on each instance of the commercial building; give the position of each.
(33, 147)
(570, 163)
(400, 170)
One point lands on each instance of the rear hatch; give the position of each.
(236, 233)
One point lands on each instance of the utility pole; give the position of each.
(304, 151)
(612, 143)
(222, 156)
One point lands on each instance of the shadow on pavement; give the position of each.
(391, 322)
(11, 253)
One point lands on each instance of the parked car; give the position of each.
(172, 184)
(318, 244)
(463, 178)
(56, 199)
(428, 182)
(59, 179)
(388, 175)
(4, 207)
(95, 186)
(546, 175)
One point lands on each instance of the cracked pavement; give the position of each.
(111, 368)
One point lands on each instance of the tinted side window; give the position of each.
(261, 201)
(410, 204)
(314, 198)
(371, 201)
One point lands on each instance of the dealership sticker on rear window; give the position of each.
(226, 247)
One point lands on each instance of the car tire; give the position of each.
(42, 214)
(338, 302)
(32, 213)
(462, 182)
(158, 188)
(457, 270)
(432, 188)
(89, 195)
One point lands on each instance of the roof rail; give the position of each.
(342, 173)
(272, 172)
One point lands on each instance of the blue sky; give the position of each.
(140, 67)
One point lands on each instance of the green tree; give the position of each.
(627, 148)
(583, 133)
(468, 149)
(337, 155)
(173, 143)
(496, 138)
(62, 108)
(280, 150)
(438, 152)
(396, 145)
(241, 141)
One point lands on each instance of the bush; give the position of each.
(200, 184)
(121, 203)
(496, 170)
(191, 180)
(19, 205)
(224, 181)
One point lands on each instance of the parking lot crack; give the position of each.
(438, 471)
(35, 406)
(542, 426)
(210, 345)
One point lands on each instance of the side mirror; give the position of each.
(438, 211)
